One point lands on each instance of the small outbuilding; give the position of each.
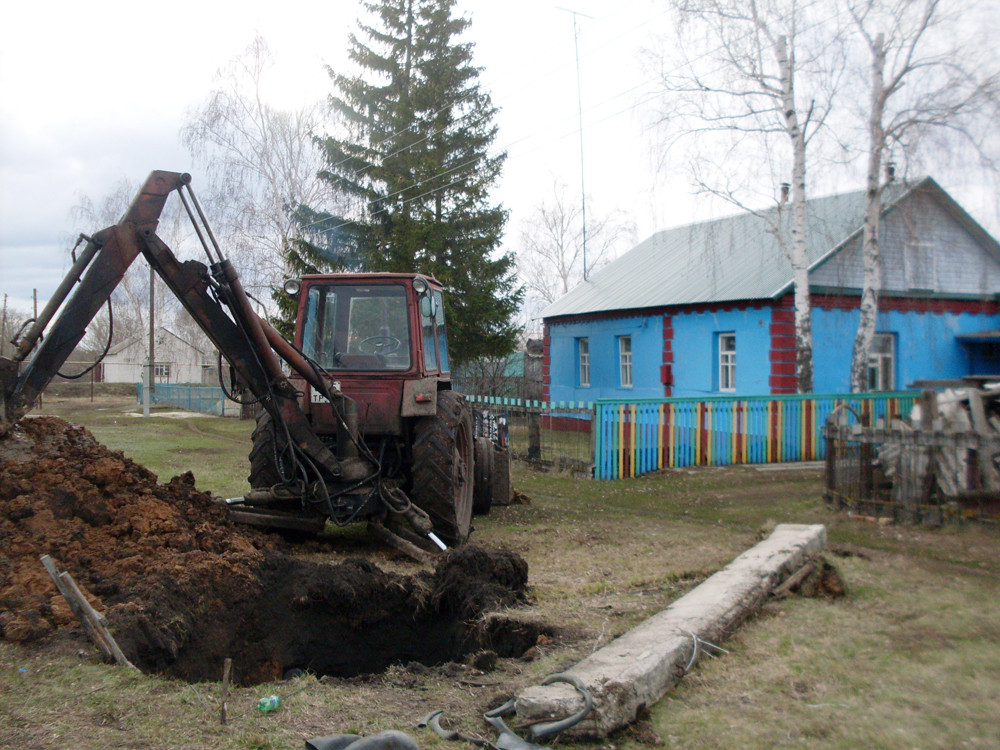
(177, 360)
(706, 309)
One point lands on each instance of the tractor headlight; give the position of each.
(292, 287)
(420, 285)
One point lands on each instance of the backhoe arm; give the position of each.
(212, 295)
(106, 258)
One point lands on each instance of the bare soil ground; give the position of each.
(183, 587)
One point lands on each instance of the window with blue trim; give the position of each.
(625, 361)
(727, 362)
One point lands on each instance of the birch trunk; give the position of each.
(798, 256)
(870, 241)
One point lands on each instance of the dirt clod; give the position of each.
(183, 587)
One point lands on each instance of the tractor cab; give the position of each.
(381, 340)
(380, 324)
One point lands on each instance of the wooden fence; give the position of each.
(638, 436)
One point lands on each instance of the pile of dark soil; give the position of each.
(183, 587)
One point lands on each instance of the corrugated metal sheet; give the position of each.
(732, 258)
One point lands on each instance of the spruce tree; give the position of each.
(417, 160)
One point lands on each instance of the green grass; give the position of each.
(215, 449)
(909, 659)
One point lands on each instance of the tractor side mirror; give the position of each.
(428, 305)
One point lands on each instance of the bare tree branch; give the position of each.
(262, 164)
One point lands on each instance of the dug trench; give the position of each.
(183, 588)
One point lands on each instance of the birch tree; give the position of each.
(926, 76)
(740, 88)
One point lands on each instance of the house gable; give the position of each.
(926, 248)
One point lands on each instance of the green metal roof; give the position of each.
(732, 258)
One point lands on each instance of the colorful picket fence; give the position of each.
(636, 437)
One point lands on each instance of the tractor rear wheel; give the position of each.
(443, 468)
(482, 494)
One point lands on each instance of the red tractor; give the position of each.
(366, 427)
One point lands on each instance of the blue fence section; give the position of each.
(638, 436)
(208, 399)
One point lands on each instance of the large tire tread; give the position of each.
(263, 471)
(442, 468)
(482, 499)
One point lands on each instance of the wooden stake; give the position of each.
(74, 605)
(226, 670)
(93, 621)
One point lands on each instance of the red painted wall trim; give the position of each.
(888, 303)
(642, 312)
(782, 354)
(666, 369)
(546, 355)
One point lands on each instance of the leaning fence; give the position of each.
(638, 436)
(908, 473)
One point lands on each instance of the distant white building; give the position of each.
(177, 360)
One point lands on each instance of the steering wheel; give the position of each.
(379, 344)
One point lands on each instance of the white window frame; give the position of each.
(161, 371)
(882, 364)
(583, 357)
(727, 363)
(625, 361)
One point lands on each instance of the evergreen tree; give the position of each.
(325, 245)
(416, 158)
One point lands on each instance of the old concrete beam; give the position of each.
(639, 667)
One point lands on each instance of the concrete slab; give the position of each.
(639, 667)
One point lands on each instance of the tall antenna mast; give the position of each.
(579, 111)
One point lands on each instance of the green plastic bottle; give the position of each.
(270, 703)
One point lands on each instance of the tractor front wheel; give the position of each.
(263, 454)
(443, 468)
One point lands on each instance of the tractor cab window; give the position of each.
(442, 338)
(357, 327)
(432, 327)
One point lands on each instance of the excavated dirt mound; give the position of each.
(183, 587)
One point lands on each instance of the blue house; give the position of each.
(706, 309)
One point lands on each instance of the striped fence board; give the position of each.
(638, 436)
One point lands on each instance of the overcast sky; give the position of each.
(91, 93)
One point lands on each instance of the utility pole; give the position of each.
(34, 297)
(3, 326)
(579, 112)
(147, 396)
